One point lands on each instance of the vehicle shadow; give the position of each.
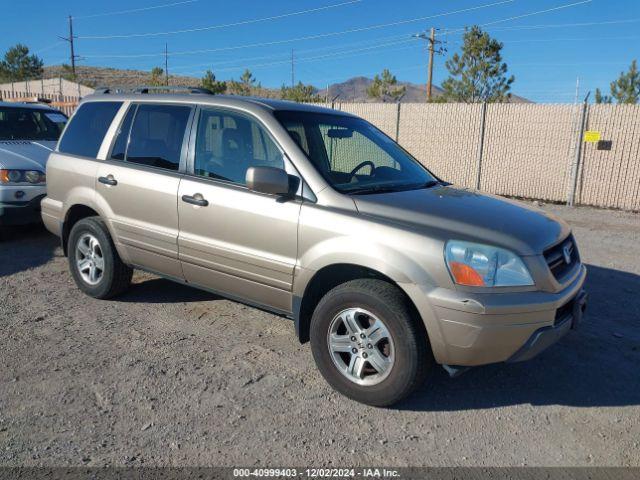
(25, 247)
(594, 366)
(159, 290)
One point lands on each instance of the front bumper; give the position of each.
(477, 329)
(20, 213)
(543, 338)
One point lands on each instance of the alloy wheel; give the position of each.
(89, 259)
(361, 346)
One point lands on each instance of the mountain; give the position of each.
(355, 90)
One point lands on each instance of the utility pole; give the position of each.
(292, 69)
(431, 39)
(73, 57)
(166, 64)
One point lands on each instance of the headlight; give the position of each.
(479, 265)
(22, 176)
(33, 176)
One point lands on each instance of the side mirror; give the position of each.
(271, 180)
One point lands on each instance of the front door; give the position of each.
(137, 186)
(240, 243)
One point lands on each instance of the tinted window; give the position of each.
(122, 137)
(30, 124)
(228, 144)
(86, 131)
(157, 135)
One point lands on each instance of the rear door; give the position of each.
(138, 184)
(238, 242)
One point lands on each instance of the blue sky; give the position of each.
(593, 40)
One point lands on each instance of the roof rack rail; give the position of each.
(153, 89)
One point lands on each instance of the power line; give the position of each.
(136, 10)
(574, 39)
(309, 37)
(524, 15)
(564, 25)
(50, 47)
(345, 54)
(283, 54)
(214, 27)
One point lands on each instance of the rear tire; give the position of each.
(94, 262)
(370, 369)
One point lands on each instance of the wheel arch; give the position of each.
(74, 214)
(325, 279)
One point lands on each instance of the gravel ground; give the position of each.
(169, 375)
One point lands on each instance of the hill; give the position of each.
(114, 77)
(352, 90)
(355, 90)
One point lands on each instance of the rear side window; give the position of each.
(157, 135)
(86, 131)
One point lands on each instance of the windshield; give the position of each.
(353, 155)
(30, 124)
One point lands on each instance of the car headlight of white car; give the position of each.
(9, 177)
(478, 265)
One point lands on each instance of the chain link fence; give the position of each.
(534, 151)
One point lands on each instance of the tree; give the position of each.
(384, 87)
(209, 82)
(600, 98)
(478, 73)
(18, 65)
(157, 77)
(245, 85)
(300, 93)
(626, 89)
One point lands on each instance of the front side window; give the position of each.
(228, 144)
(353, 155)
(156, 137)
(88, 127)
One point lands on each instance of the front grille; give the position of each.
(562, 257)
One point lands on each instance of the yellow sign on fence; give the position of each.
(591, 136)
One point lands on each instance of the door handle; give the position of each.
(196, 199)
(108, 180)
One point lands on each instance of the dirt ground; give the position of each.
(169, 375)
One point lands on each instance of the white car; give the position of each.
(28, 133)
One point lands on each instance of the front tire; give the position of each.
(94, 262)
(368, 343)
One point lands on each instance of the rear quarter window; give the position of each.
(87, 128)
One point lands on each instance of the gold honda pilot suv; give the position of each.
(316, 215)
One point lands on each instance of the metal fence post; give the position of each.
(575, 167)
(483, 121)
(398, 122)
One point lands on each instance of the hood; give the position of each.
(464, 214)
(25, 154)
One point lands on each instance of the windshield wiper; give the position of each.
(375, 189)
(393, 188)
(429, 184)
